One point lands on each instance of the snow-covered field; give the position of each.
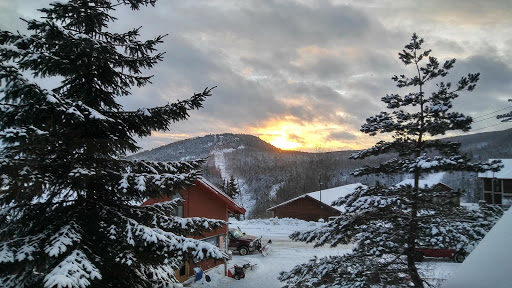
(285, 254)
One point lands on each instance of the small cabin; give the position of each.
(313, 206)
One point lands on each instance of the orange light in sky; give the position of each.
(292, 134)
(283, 143)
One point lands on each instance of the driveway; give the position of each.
(284, 255)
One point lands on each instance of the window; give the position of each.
(497, 185)
(179, 211)
(507, 186)
(507, 201)
(183, 270)
(497, 199)
(487, 184)
(212, 240)
(488, 198)
(236, 234)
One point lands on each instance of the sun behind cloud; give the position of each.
(282, 142)
(291, 134)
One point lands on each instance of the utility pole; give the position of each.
(320, 185)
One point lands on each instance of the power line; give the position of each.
(473, 130)
(508, 107)
(492, 117)
(488, 126)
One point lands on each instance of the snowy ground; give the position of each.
(285, 254)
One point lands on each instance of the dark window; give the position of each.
(183, 270)
(487, 184)
(488, 198)
(497, 199)
(507, 186)
(497, 185)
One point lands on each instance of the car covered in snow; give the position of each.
(243, 243)
(456, 255)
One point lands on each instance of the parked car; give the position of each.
(243, 243)
(456, 255)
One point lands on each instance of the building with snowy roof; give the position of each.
(315, 205)
(205, 200)
(433, 180)
(497, 186)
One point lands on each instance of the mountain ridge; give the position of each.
(268, 175)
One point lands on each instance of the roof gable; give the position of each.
(208, 187)
(327, 196)
(233, 207)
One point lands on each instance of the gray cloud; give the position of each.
(314, 61)
(341, 136)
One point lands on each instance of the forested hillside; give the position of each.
(268, 175)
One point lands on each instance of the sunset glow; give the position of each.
(283, 143)
(288, 134)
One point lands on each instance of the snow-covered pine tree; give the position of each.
(232, 189)
(68, 212)
(388, 223)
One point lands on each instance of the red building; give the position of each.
(315, 205)
(203, 199)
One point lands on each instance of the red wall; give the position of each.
(200, 202)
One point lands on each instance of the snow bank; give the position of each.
(489, 264)
(273, 227)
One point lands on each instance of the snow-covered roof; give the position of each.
(489, 263)
(428, 181)
(504, 173)
(327, 195)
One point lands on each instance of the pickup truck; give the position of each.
(243, 243)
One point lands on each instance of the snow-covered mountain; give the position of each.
(267, 175)
(201, 147)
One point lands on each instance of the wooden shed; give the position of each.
(304, 207)
(313, 206)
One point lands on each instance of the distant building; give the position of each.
(315, 205)
(497, 186)
(434, 181)
(205, 200)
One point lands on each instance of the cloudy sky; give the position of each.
(306, 74)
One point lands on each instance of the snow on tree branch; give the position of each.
(76, 270)
(67, 218)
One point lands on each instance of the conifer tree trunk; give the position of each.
(413, 235)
